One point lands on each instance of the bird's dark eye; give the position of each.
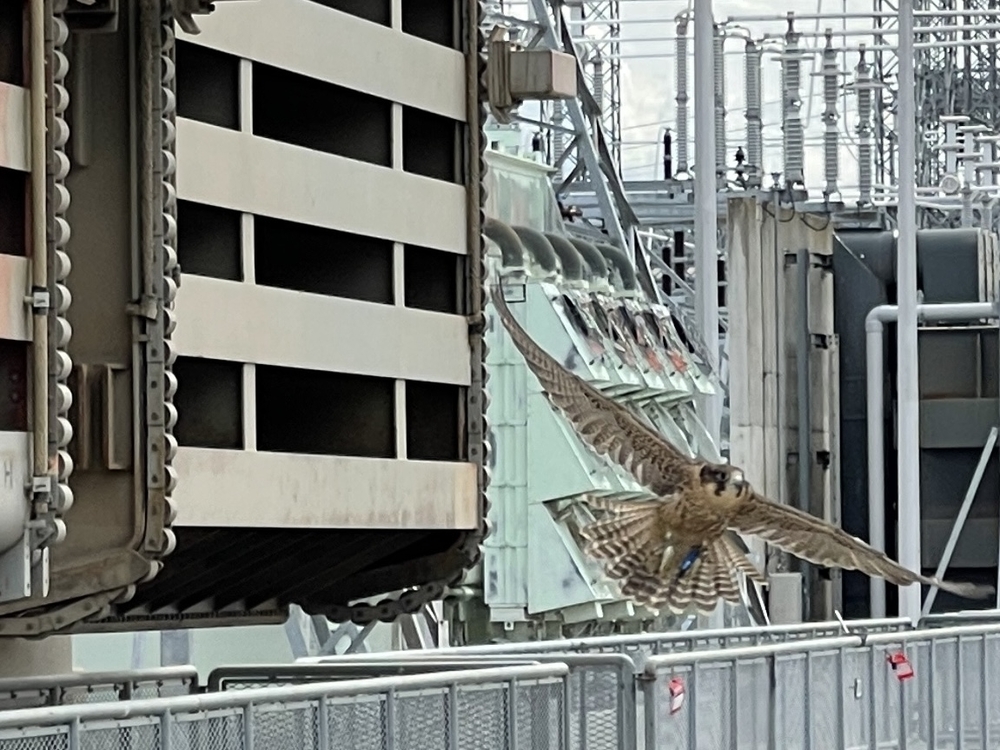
(715, 474)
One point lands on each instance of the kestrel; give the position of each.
(679, 550)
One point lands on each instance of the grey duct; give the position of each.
(957, 312)
(591, 257)
(572, 264)
(538, 248)
(620, 261)
(507, 241)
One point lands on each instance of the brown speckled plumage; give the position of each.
(701, 506)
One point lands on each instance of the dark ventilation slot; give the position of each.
(601, 318)
(325, 413)
(209, 403)
(12, 28)
(433, 20)
(321, 116)
(376, 11)
(575, 316)
(433, 421)
(432, 279)
(208, 241)
(13, 386)
(430, 145)
(208, 85)
(322, 261)
(13, 212)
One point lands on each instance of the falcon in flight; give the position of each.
(679, 551)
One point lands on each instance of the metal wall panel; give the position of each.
(261, 176)
(283, 327)
(237, 488)
(321, 42)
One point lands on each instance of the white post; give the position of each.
(705, 202)
(906, 284)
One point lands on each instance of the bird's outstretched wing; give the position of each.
(607, 426)
(822, 543)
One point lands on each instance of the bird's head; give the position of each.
(724, 479)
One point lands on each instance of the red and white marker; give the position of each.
(900, 665)
(676, 689)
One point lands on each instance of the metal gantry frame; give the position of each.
(602, 62)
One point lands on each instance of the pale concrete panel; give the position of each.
(285, 490)
(20, 657)
(246, 173)
(308, 38)
(241, 322)
(15, 132)
(14, 324)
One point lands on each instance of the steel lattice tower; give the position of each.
(951, 80)
(601, 62)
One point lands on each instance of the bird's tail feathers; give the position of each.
(637, 554)
(648, 579)
(738, 560)
(961, 588)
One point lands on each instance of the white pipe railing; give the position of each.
(874, 334)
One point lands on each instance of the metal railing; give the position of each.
(863, 684)
(93, 687)
(909, 689)
(502, 708)
(601, 711)
(640, 646)
(965, 617)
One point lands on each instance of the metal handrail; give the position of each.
(663, 661)
(34, 717)
(634, 642)
(98, 679)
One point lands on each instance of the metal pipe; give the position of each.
(874, 396)
(804, 397)
(906, 285)
(39, 254)
(706, 216)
